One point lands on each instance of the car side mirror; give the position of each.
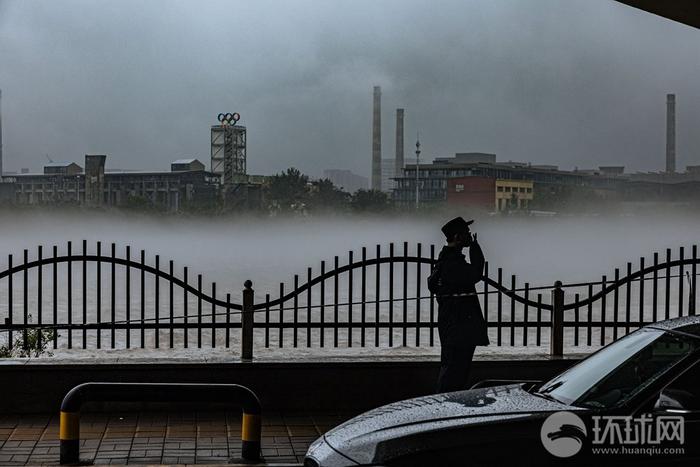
(677, 400)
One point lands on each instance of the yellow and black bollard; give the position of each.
(250, 437)
(158, 392)
(69, 434)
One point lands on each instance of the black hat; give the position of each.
(455, 226)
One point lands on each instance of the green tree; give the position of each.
(326, 196)
(288, 191)
(370, 201)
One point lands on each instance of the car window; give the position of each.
(683, 392)
(638, 372)
(617, 372)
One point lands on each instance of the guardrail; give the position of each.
(374, 299)
(69, 429)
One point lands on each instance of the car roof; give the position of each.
(686, 324)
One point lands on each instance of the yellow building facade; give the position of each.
(513, 195)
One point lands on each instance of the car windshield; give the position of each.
(619, 371)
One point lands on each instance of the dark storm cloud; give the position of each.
(576, 83)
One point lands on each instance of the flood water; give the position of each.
(270, 251)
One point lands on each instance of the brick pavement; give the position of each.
(160, 437)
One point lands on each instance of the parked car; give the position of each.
(649, 378)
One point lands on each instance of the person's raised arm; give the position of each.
(476, 258)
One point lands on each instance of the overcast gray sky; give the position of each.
(575, 83)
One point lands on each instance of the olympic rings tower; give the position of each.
(228, 149)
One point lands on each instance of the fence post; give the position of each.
(556, 341)
(247, 322)
(691, 294)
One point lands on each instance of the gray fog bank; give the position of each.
(538, 250)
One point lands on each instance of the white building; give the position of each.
(388, 173)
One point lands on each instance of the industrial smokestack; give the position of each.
(398, 168)
(670, 133)
(377, 140)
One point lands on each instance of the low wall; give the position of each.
(330, 384)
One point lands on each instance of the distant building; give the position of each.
(388, 170)
(489, 194)
(346, 180)
(228, 152)
(64, 184)
(433, 177)
(389, 173)
(186, 165)
(612, 170)
(467, 158)
(477, 193)
(62, 168)
(513, 195)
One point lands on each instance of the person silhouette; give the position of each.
(461, 325)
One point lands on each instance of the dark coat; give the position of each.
(460, 321)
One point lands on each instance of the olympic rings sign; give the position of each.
(230, 118)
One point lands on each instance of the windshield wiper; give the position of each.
(544, 393)
(552, 387)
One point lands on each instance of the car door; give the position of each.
(681, 398)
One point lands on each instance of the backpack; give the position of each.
(434, 279)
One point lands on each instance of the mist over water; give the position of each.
(269, 251)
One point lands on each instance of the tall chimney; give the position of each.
(670, 133)
(398, 167)
(377, 140)
(0, 134)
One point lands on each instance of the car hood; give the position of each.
(357, 438)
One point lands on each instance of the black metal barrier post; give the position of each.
(556, 343)
(69, 430)
(247, 322)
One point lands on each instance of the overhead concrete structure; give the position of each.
(398, 168)
(377, 139)
(0, 134)
(670, 133)
(682, 11)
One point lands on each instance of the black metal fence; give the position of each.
(97, 299)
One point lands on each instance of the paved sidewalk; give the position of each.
(161, 437)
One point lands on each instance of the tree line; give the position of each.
(292, 191)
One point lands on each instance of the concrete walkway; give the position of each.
(161, 437)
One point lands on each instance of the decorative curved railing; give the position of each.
(378, 301)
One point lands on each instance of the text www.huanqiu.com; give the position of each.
(639, 450)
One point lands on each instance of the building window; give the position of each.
(500, 188)
(529, 190)
(507, 189)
